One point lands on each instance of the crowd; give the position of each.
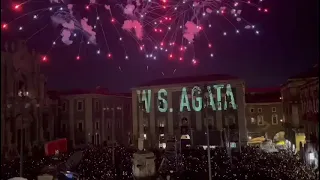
(250, 164)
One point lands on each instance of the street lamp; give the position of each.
(22, 95)
(112, 133)
(206, 104)
(25, 103)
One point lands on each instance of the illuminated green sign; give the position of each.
(217, 102)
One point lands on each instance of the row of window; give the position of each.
(185, 122)
(97, 126)
(80, 106)
(260, 120)
(274, 109)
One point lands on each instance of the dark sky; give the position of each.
(287, 45)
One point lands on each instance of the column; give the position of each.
(88, 118)
(38, 139)
(134, 117)
(52, 127)
(152, 120)
(141, 119)
(219, 120)
(198, 120)
(242, 123)
(103, 119)
(3, 132)
(170, 114)
(71, 120)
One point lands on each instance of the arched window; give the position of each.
(184, 121)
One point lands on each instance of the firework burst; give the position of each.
(161, 29)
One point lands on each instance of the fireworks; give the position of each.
(161, 29)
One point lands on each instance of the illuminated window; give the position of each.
(162, 145)
(161, 124)
(260, 120)
(253, 120)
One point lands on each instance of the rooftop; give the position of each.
(189, 79)
(97, 91)
(265, 95)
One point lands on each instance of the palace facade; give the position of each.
(157, 126)
(24, 113)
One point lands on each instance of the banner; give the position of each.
(56, 147)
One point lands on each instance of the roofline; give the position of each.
(264, 103)
(296, 79)
(263, 90)
(310, 83)
(189, 83)
(85, 94)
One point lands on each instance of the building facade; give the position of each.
(94, 117)
(264, 112)
(161, 121)
(309, 96)
(23, 99)
(293, 94)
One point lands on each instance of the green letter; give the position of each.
(212, 104)
(161, 99)
(184, 100)
(198, 99)
(218, 88)
(146, 99)
(229, 94)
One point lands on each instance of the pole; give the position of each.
(176, 154)
(208, 138)
(239, 139)
(112, 134)
(208, 151)
(5, 96)
(21, 152)
(228, 139)
(191, 137)
(103, 125)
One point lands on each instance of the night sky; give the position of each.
(287, 45)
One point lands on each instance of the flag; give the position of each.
(56, 147)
